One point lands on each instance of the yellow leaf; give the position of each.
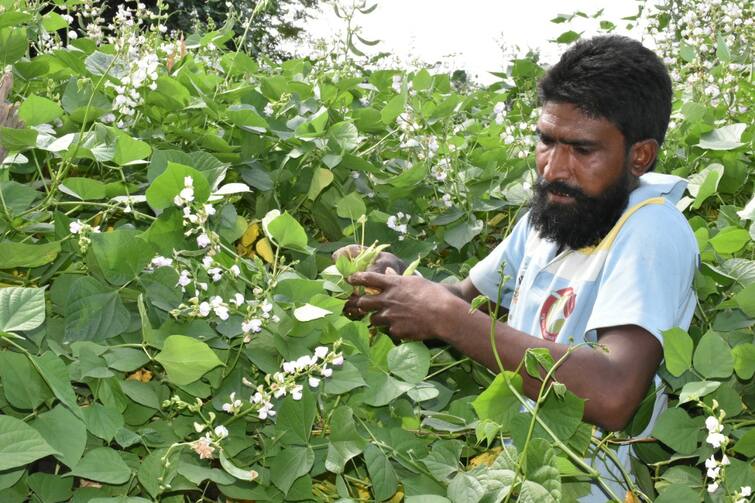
(629, 497)
(141, 375)
(486, 458)
(250, 234)
(264, 250)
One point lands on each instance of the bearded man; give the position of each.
(602, 255)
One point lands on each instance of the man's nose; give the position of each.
(557, 164)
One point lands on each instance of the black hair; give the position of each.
(615, 78)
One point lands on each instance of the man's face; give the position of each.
(583, 176)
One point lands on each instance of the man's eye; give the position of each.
(582, 150)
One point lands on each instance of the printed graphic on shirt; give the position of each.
(556, 309)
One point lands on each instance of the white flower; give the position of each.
(314, 381)
(184, 278)
(338, 360)
(254, 325)
(713, 472)
(221, 312)
(207, 261)
(198, 427)
(209, 209)
(187, 194)
(711, 462)
(160, 261)
(716, 439)
(303, 362)
(221, 431)
(713, 425)
(321, 352)
(203, 240)
(72, 35)
(745, 491)
(266, 307)
(238, 299)
(268, 110)
(234, 269)
(75, 227)
(216, 273)
(204, 309)
(289, 367)
(327, 372)
(712, 487)
(296, 392)
(725, 460)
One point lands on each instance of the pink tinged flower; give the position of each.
(203, 240)
(75, 227)
(314, 381)
(203, 447)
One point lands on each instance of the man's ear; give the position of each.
(642, 155)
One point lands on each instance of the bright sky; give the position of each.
(469, 33)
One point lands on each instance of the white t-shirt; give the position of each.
(640, 274)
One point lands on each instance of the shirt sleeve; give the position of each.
(648, 274)
(485, 275)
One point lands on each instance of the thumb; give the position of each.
(390, 271)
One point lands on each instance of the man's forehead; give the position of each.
(565, 121)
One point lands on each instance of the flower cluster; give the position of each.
(399, 223)
(718, 440)
(499, 113)
(314, 367)
(83, 230)
(195, 216)
(441, 169)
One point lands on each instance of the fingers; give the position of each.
(349, 251)
(372, 280)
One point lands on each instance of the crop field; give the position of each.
(171, 323)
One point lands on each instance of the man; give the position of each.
(602, 255)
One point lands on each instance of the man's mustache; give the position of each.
(560, 188)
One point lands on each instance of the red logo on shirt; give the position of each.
(556, 309)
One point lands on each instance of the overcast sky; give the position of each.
(469, 33)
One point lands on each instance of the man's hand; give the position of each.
(409, 307)
(8, 111)
(386, 263)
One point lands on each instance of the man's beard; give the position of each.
(584, 222)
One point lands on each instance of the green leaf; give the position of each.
(540, 467)
(186, 359)
(746, 444)
(286, 232)
(166, 187)
(704, 184)
(464, 488)
(568, 37)
(14, 255)
(532, 492)
(13, 44)
(295, 419)
(128, 150)
(290, 464)
(121, 254)
(50, 487)
(498, 403)
(730, 240)
(65, 432)
(24, 388)
(382, 475)
(745, 299)
(247, 118)
(55, 374)
(126, 359)
(94, 312)
(563, 415)
(38, 110)
(20, 444)
(141, 393)
(351, 206)
(344, 379)
(677, 430)
(85, 189)
(393, 109)
(17, 139)
(463, 232)
(723, 138)
(21, 308)
(345, 135)
(422, 80)
(320, 179)
(383, 389)
(345, 442)
(677, 351)
(744, 360)
(676, 493)
(98, 63)
(102, 464)
(409, 361)
(102, 421)
(693, 391)
(713, 357)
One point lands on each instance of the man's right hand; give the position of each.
(386, 263)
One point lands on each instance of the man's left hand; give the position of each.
(409, 307)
